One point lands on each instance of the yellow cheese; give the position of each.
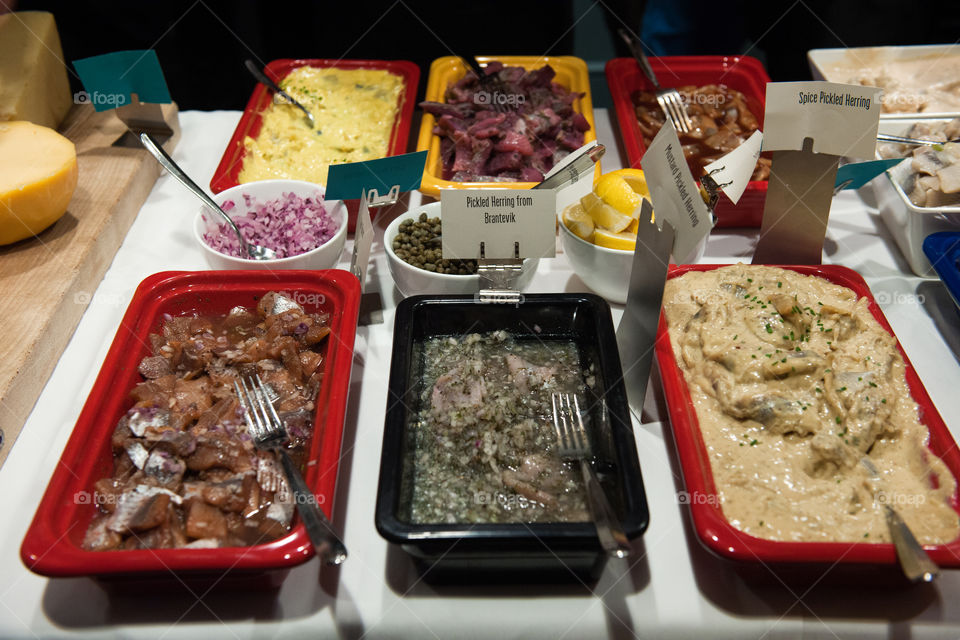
(33, 77)
(38, 173)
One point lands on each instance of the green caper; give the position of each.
(415, 245)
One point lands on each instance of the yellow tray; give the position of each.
(571, 73)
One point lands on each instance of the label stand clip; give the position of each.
(498, 277)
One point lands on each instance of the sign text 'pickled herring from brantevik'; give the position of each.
(501, 219)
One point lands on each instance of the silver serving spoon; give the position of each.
(916, 564)
(264, 79)
(255, 251)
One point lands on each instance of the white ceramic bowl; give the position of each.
(606, 271)
(411, 280)
(325, 256)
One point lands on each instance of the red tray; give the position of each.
(232, 161)
(743, 73)
(713, 529)
(51, 546)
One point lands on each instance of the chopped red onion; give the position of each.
(290, 225)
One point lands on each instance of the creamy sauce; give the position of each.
(354, 111)
(924, 84)
(793, 381)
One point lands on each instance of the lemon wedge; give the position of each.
(603, 214)
(618, 193)
(635, 178)
(578, 221)
(624, 240)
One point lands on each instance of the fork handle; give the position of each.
(612, 538)
(637, 50)
(325, 542)
(474, 66)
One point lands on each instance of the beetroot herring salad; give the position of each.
(539, 129)
(290, 225)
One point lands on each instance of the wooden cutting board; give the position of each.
(46, 282)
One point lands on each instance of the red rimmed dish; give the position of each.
(228, 171)
(743, 73)
(52, 545)
(709, 522)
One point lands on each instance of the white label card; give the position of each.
(733, 171)
(498, 218)
(362, 241)
(675, 195)
(842, 119)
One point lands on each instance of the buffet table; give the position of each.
(669, 587)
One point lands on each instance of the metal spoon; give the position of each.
(255, 251)
(264, 79)
(916, 564)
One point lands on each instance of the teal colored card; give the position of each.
(349, 181)
(860, 173)
(110, 80)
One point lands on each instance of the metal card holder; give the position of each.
(371, 302)
(142, 117)
(498, 277)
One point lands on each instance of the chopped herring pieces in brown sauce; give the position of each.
(721, 119)
(186, 471)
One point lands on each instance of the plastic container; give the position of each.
(743, 73)
(870, 60)
(814, 559)
(227, 172)
(909, 224)
(943, 252)
(51, 546)
(571, 73)
(537, 552)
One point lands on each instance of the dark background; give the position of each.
(202, 44)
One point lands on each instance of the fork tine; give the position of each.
(579, 428)
(559, 424)
(669, 108)
(556, 421)
(256, 423)
(246, 408)
(268, 426)
(678, 110)
(275, 420)
(687, 124)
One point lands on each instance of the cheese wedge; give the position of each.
(33, 77)
(38, 173)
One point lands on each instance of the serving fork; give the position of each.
(574, 446)
(884, 137)
(269, 434)
(670, 100)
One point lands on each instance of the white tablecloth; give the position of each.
(670, 587)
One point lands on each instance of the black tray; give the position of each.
(537, 551)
